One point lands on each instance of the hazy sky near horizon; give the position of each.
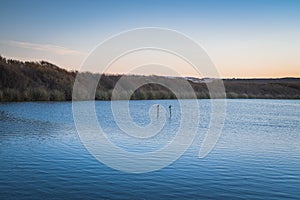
(244, 38)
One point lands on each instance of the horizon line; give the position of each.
(122, 74)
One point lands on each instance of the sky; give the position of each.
(244, 38)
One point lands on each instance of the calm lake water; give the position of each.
(256, 157)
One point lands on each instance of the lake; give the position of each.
(257, 155)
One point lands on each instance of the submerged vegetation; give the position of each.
(43, 81)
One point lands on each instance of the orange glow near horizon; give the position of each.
(225, 69)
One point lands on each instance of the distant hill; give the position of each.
(43, 81)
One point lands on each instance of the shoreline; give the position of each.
(47, 101)
(43, 81)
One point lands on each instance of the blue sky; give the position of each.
(257, 38)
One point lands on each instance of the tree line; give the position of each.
(44, 81)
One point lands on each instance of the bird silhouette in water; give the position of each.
(170, 109)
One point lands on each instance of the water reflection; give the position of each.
(257, 156)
